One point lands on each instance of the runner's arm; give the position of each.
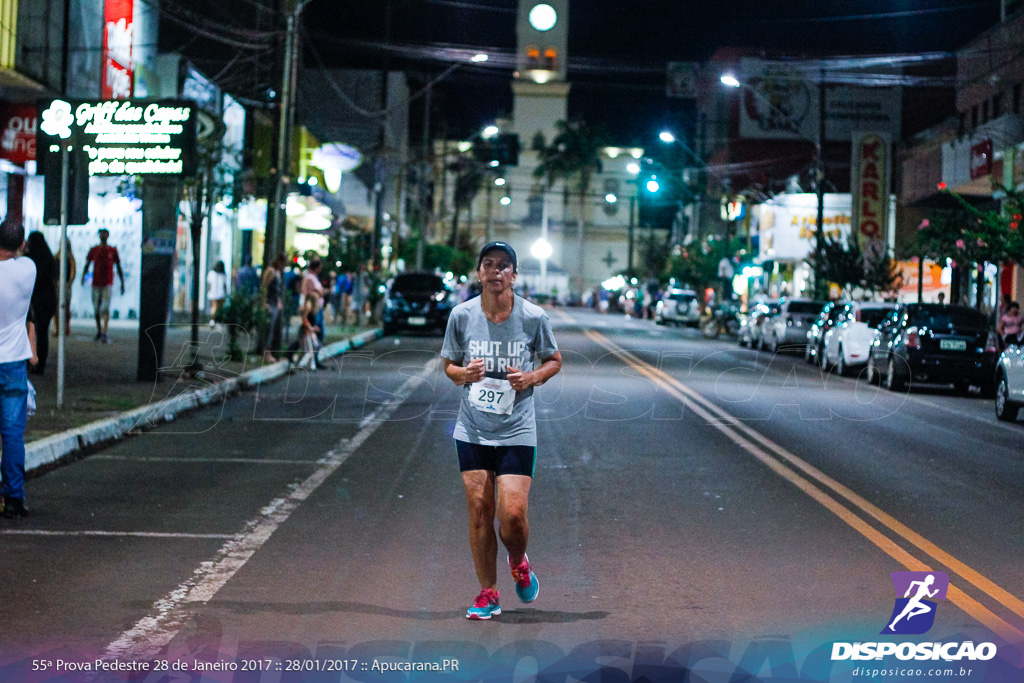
(549, 367)
(461, 375)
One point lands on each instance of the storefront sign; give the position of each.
(788, 224)
(18, 133)
(118, 80)
(124, 137)
(870, 187)
(981, 159)
(931, 285)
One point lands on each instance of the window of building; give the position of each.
(532, 57)
(551, 59)
(1016, 98)
(984, 111)
(997, 105)
(974, 117)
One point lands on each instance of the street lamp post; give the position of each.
(819, 169)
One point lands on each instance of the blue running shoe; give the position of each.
(485, 606)
(527, 585)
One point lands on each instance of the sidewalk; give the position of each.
(103, 400)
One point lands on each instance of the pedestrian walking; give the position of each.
(17, 280)
(44, 296)
(360, 294)
(490, 347)
(68, 281)
(290, 305)
(1010, 324)
(342, 290)
(313, 292)
(246, 280)
(272, 299)
(104, 259)
(216, 290)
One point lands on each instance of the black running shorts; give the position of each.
(498, 459)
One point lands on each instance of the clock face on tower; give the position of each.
(543, 17)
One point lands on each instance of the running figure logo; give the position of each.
(914, 611)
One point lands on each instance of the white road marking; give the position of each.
(93, 532)
(991, 421)
(155, 631)
(242, 461)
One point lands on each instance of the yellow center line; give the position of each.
(752, 442)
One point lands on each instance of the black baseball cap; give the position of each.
(505, 247)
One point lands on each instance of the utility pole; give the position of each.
(819, 236)
(274, 235)
(379, 172)
(696, 232)
(425, 173)
(632, 211)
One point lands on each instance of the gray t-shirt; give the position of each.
(523, 341)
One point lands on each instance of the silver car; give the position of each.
(789, 326)
(678, 307)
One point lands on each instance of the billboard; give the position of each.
(18, 133)
(123, 137)
(118, 78)
(869, 184)
(780, 102)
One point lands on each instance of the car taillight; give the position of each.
(992, 344)
(911, 339)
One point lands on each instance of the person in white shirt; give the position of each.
(216, 290)
(17, 280)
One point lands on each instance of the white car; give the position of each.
(751, 333)
(848, 340)
(679, 307)
(1010, 382)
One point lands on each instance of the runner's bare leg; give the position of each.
(513, 505)
(479, 485)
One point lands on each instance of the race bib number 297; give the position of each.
(492, 396)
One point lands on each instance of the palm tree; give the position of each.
(469, 179)
(574, 155)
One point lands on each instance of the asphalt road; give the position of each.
(696, 506)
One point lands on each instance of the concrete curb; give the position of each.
(56, 447)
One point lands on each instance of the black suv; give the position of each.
(934, 343)
(417, 301)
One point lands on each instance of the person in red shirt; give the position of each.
(105, 259)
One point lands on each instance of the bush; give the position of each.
(243, 313)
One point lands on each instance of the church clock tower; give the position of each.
(540, 86)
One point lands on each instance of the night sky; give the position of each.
(617, 48)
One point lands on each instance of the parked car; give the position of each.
(751, 332)
(934, 343)
(819, 328)
(678, 307)
(417, 301)
(789, 326)
(1010, 382)
(847, 342)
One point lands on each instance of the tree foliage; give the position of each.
(969, 235)
(696, 264)
(846, 264)
(469, 179)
